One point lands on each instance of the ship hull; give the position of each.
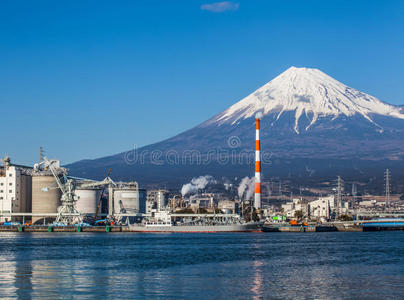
(249, 227)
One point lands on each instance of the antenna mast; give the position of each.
(339, 196)
(387, 187)
(40, 154)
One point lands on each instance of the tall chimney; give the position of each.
(257, 194)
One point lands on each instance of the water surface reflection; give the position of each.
(201, 266)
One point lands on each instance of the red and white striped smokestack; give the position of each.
(257, 194)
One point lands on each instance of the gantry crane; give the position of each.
(67, 213)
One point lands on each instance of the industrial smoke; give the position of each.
(259, 115)
(198, 183)
(246, 188)
(227, 183)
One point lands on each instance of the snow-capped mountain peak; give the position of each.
(311, 92)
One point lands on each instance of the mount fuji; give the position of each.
(310, 122)
(308, 92)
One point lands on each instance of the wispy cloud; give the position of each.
(219, 7)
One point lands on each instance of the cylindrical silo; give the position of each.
(87, 200)
(129, 200)
(44, 202)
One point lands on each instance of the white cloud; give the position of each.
(219, 7)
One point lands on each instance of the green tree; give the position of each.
(346, 218)
(299, 214)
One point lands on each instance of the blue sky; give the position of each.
(85, 79)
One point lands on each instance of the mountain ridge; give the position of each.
(305, 91)
(311, 136)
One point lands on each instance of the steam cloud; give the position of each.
(198, 183)
(227, 183)
(246, 188)
(259, 115)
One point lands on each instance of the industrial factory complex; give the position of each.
(46, 196)
(45, 193)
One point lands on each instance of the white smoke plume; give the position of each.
(198, 183)
(227, 183)
(259, 115)
(246, 188)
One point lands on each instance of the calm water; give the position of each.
(202, 266)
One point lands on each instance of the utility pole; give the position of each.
(387, 187)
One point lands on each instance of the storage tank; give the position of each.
(44, 202)
(87, 200)
(227, 206)
(130, 200)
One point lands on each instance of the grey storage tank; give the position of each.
(128, 200)
(87, 200)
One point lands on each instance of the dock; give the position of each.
(267, 228)
(50, 228)
(328, 227)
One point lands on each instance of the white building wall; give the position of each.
(9, 191)
(287, 207)
(12, 196)
(321, 208)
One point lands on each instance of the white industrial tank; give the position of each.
(129, 201)
(87, 200)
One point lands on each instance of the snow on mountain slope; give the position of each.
(342, 131)
(310, 92)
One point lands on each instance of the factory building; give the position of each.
(128, 198)
(15, 190)
(321, 208)
(157, 199)
(228, 206)
(289, 209)
(202, 201)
